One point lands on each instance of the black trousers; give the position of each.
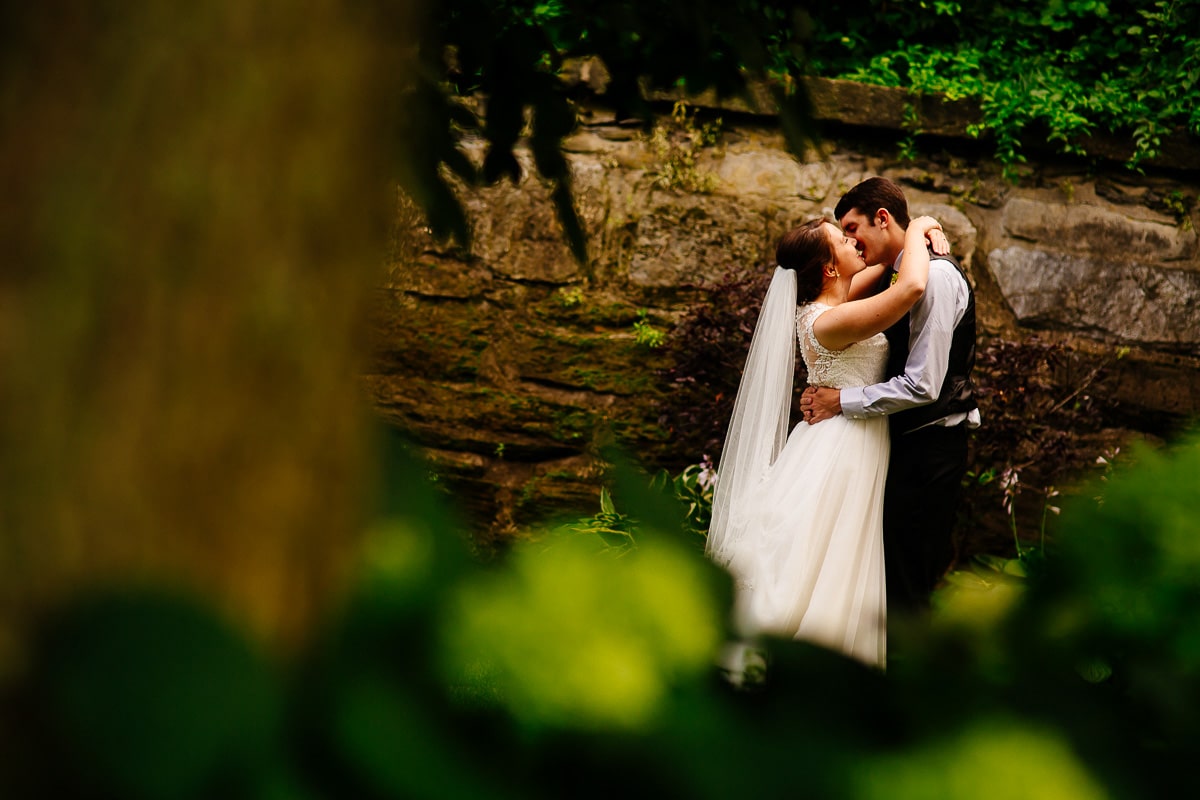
(924, 487)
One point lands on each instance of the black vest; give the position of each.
(957, 394)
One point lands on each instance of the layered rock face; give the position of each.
(510, 365)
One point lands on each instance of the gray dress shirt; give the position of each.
(931, 328)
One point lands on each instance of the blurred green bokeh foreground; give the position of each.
(220, 583)
(575, 669)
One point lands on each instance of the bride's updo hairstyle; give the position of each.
(806, 251)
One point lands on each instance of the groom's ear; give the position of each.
(882, 217)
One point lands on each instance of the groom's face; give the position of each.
(869, 238)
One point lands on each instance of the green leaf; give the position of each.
(1015, 567)
(1095, 670)
(992, 562)
(606, 503)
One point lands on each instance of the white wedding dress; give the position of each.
(808, 537)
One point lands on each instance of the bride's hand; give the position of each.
(934, 233)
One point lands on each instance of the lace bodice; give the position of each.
(860, 364)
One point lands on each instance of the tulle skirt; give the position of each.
(809, 558)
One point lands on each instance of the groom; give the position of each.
(928, 396)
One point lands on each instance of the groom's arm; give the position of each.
(931, 331)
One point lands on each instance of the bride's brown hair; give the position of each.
(806, 251)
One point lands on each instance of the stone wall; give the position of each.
(509, 365)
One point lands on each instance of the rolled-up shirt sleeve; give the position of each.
(931, 331)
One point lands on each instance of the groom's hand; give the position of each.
(820, 403)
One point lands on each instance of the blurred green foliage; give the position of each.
(568, 669)
(567, 638)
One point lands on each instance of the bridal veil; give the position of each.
(758, 428)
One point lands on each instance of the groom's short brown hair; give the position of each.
(872, 195)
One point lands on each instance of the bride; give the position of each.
(798, 519)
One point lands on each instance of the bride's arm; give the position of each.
(856, 320)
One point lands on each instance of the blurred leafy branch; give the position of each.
(509, 56)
